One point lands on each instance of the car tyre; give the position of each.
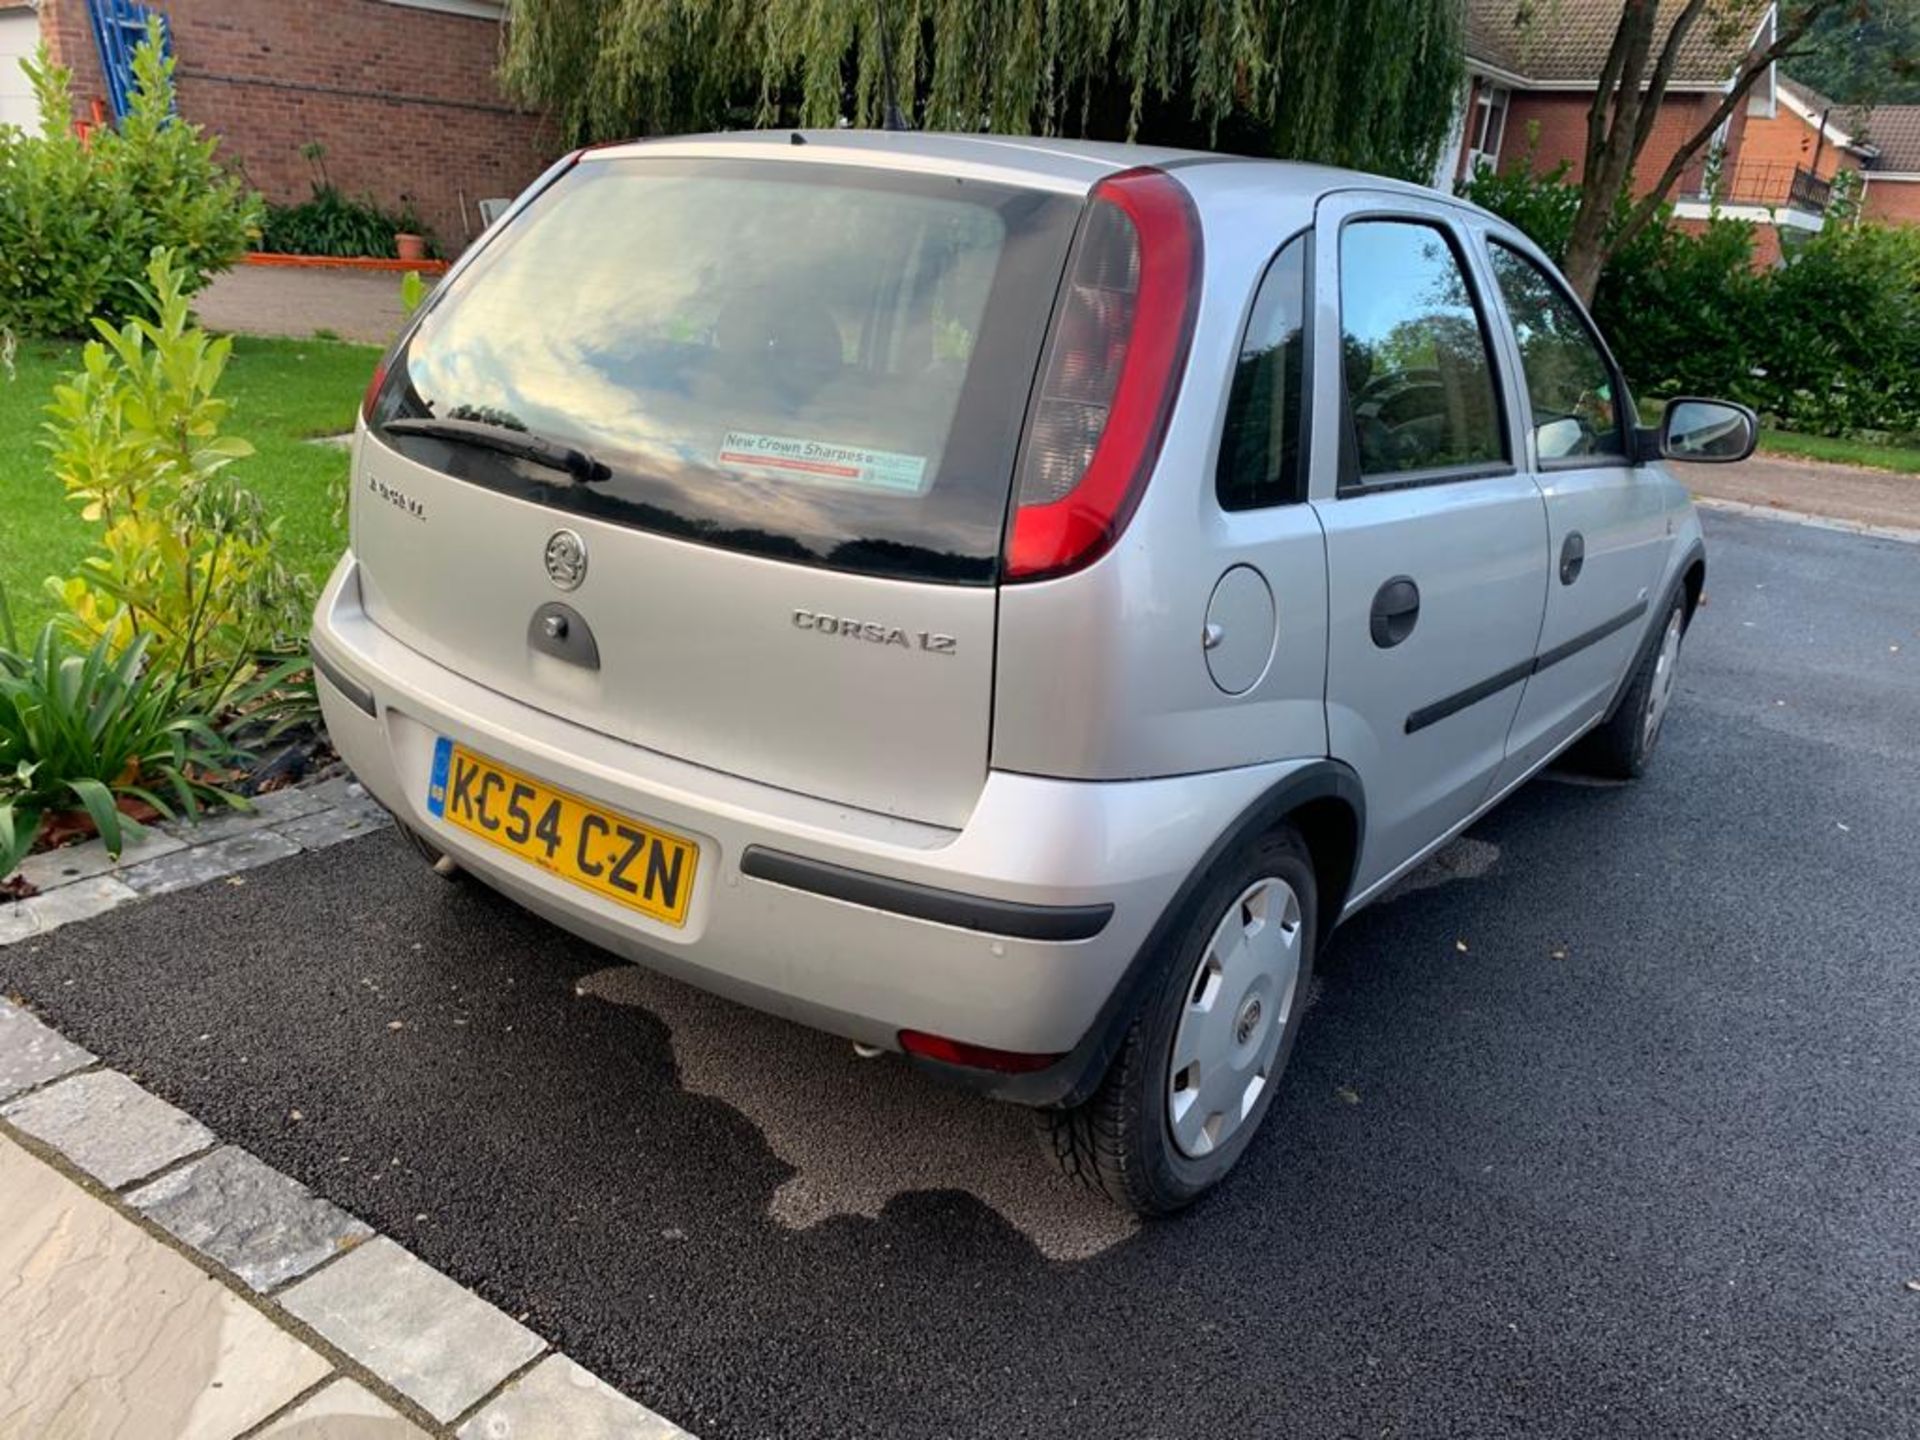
(1179, 1104)
(1623, 744)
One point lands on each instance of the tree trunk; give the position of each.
(1625, 106)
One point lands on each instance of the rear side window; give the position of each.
(1262, 460)
(1576, 408)
(821, 363)
(1419, 381)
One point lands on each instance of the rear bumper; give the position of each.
(1010, 932)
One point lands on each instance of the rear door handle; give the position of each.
(1396, 610)
(1573, 557)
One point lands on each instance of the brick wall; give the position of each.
(1897, 201)
(1561, 121)
(402, 98)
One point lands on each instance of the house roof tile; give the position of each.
(1559, 42)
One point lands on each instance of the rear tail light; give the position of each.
(974, 1057)
(373, 388)
(1113, 369)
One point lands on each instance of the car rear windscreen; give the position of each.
(817, 362)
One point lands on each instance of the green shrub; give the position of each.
(78, 221)
(1826, 343)
(333, 223)
(81, 731)
(185, 555)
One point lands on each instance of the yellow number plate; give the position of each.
(627, 860)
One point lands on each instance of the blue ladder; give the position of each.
(118, 28)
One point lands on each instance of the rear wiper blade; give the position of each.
(581, 465)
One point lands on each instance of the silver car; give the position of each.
(1001, 601)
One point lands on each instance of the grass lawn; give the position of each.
(284, 392)
(1844, 452)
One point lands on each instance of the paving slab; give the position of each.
(560, 1400)
(201, 863)
(343, 1411)
(440, 1345)
(82, 900)
(51, 869)
(341, 822)
(109, 1126)
(32, 1054)
(265, 1227)
(105, 1332)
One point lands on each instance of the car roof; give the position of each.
(1072, 166)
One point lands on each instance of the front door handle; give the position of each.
(1396, 610)
(1573, 557)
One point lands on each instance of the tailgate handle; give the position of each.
(562, 632)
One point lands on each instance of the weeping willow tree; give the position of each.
(1366, 83)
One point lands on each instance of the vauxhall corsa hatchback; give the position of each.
(1000, 601)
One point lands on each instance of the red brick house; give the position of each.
(1530, 86)
(401, 93)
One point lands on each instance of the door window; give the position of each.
(1419, 379)
(1262, 460)
(1576, 403)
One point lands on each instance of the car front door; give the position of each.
(1607, 526)
(1435, 533)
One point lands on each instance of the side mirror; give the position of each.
(1703, 431)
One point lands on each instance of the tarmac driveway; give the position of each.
(1606, 1126)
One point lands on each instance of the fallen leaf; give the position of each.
(1347, 1093)
(236, 881)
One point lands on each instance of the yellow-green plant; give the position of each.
(184, 555)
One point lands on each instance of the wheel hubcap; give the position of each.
(1660, 693)
(1238, 1001)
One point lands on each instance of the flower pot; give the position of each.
(410, 247)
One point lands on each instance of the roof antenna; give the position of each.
(894, 119)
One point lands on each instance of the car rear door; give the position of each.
(1606, 524)
(794, 391)
(1435, 534)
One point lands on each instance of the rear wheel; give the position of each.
(1203, 1058)
(1622, 746)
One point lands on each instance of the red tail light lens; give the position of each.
(1112, 372)
(974, 1057)
(373, 389)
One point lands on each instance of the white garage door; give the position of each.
(19, 34)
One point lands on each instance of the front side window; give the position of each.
(1576, 408)
(1262, 461)
(1420, 387)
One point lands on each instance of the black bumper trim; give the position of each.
(1012, 918)
(361, 697)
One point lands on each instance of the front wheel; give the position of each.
(1203, 1058)
(1621, 747)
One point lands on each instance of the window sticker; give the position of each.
(823, 464)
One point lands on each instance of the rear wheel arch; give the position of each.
(1331, 827)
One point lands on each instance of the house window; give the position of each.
(1488, 127)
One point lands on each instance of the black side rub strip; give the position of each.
(1453, 704)
(336, 677)
(1012, 918)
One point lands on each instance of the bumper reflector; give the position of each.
(973, 1057)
